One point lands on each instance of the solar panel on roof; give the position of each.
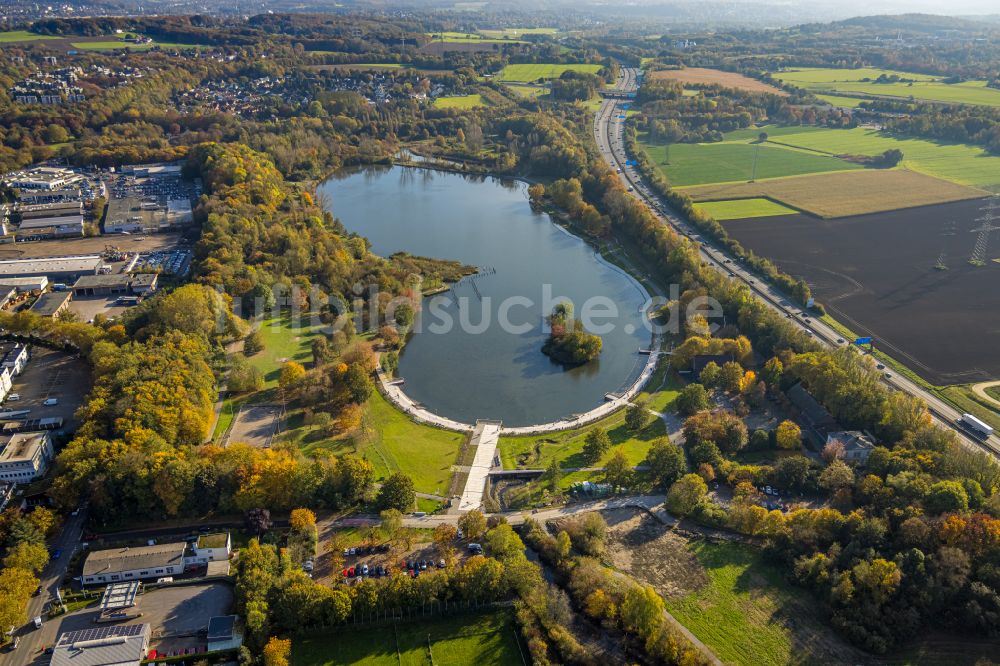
(98, 633)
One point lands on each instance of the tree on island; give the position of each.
(568, 342)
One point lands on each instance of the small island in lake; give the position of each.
(568, 343)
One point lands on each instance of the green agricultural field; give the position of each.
(733, 161)
(536, 71)
(514, 33)
(469, 38)
(955, 162)
(460, 102)
(839, 100)
(485, 640)
(15, 36)
(112, 45)
(284, 340)
(923, 87)
(743, 208)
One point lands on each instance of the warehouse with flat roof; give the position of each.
(58, 269)
(125, 564)
(51, 303)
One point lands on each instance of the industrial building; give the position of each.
(43, 178)
(125, 564)
(121, 284)
(51, 227)
(122, 645)
(55, 209)
(25, 456)
(51, 303)
(58, 269)
(25, 284)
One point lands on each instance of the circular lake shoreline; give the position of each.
(475, 368)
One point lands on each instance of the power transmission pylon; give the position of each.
(989, 216)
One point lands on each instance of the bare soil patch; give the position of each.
(704, 76)
(648, 550)
(878, 274)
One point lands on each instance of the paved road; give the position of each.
(609, 133)
(643, 502)
(30, 649)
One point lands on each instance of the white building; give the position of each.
(124, 564)
(43, 178)
(6, 382)
(25, 457)
(15, 356)
(212, 548)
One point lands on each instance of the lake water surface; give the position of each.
(483, 371)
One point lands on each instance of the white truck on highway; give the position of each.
(975, 426)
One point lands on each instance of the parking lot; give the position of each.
(87, 308)
(178, 615)
(50, 374)
(90, 245)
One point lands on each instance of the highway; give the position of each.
(609, 130)
(34, 641)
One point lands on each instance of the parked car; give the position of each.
(55, 553)
(475, 549)
(364, 569)
(13, 397)
(442, 564)
(49, 402)
(308, 565)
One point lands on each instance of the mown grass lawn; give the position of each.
(536, 71)
(527, 90)
(392, 443)
(733, 161)
(538, 451)
(459, 102)
(744, 208)
(484, 640)
(285, 339)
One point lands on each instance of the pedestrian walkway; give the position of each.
(485, 436)
(393, 390)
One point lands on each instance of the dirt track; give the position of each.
(876, 274)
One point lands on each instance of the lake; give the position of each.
(478, 368)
